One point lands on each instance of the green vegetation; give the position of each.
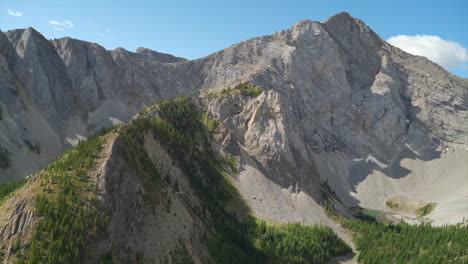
(185, 131)
(328, 199)
(69, 217)
(9, 187)
(246, 88)
(391, 204)
(425, 210)
(5, 158)
(328, 193)
(67, 206)
(295, 243)
(137, 157)
(404, 243)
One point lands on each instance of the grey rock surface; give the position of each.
(332, 89)
(152, 55)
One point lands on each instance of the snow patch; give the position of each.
(410, 148)
(373, 159)
(376, 161)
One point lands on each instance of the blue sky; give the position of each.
(193, 29)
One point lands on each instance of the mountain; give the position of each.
(153, 190)
(322, 112)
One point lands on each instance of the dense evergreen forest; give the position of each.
(66, 205)
(403, 243)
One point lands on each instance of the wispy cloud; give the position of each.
(65, 23)
(13, 13)
(448, 54)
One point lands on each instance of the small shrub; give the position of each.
(249, 89)
(425, 210)
(246, 89)
(391, 204)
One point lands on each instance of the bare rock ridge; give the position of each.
(340, 105)
(149, 54)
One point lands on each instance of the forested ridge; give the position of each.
(186, 131)
(67, 205)
(404, 243)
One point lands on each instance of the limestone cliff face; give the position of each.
(342, 105)
(334, 92)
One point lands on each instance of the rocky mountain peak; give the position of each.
(27, 40)
(149, 54)
(334, 92)
(322, 113)
(344, 17)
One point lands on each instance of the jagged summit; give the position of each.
(320, 114)
(341, 16)
(158, 56)
(340, 104)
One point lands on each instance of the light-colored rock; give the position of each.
(334, 92)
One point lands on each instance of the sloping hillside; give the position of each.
(155, 189)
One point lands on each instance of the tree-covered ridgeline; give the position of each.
(186, 132)
(68, 209)
(405, 243)
(66, 206)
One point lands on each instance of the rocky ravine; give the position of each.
(340, 105)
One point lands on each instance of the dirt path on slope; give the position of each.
(346, 235)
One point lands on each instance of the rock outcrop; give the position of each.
(340, 105)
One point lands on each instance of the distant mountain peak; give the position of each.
(150, 54)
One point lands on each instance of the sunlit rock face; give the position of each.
(340, 105)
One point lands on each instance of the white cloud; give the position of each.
(447, 54)
(66, 23)
(13, 13)
(59, 28)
